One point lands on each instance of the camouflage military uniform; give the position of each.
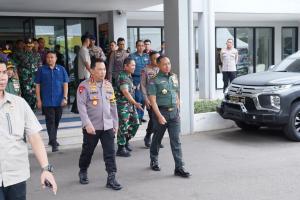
(27, 64)
(128, 117)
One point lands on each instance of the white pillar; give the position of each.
(206, 35)
(176, 23)
(117, 24)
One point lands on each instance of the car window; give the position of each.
(288, 65)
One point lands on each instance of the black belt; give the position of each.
(167, 108)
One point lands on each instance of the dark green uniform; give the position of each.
(166, 88)
(128, 117)
(13, 86)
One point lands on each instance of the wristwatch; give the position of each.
(48, 168)
(66, 98)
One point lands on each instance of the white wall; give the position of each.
(251, 6)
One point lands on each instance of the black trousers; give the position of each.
(13, 192)
(88, 147)
(53, 116)
(228, 78)
(74, 108)
(149, 129)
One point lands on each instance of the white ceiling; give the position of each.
(74, 6)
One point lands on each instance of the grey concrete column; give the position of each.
(207, 74)
(117, 20)
(176, 23)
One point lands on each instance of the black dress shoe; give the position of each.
(161, 146)
(154, 166)
(83, 178)
(122, 152)
(54, 148)
(112, 182)
(147, 141)
(55, 143)
(182, 173)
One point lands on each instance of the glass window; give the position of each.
(244, 44)
(264, 48)
(153, 34)
(289, 41)
(53, 31)
(75, 29)
(222, 34)
(132, 37)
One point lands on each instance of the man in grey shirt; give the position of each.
(98, 112)
(84, 59)
(17, 124)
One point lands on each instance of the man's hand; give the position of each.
(162, 120)
(39, 104)
(147, 103)
(49, 177)
(64, 102)
(138, 106)
(90, 129)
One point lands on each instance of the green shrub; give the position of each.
(203, 106)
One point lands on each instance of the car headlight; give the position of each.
(275, 101)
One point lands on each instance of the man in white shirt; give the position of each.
(229, 58)
(18, 123)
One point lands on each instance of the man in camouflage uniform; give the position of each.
(128, 117)
(27, 64)
(96, 51)
(163, 94)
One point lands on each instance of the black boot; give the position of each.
(128, 146)
(83, 177)
(122, 152)
(154, 165)
(112, 182)
(147, 140)
(182, 172)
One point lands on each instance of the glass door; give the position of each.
(244, 45)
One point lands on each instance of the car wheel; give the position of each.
(247, 127)
(292, 129)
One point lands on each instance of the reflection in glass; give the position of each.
(289, 41)
(264, 48)
(132, 37)
(244, 45)
(53, 32)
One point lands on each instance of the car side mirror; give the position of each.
(271, 67)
